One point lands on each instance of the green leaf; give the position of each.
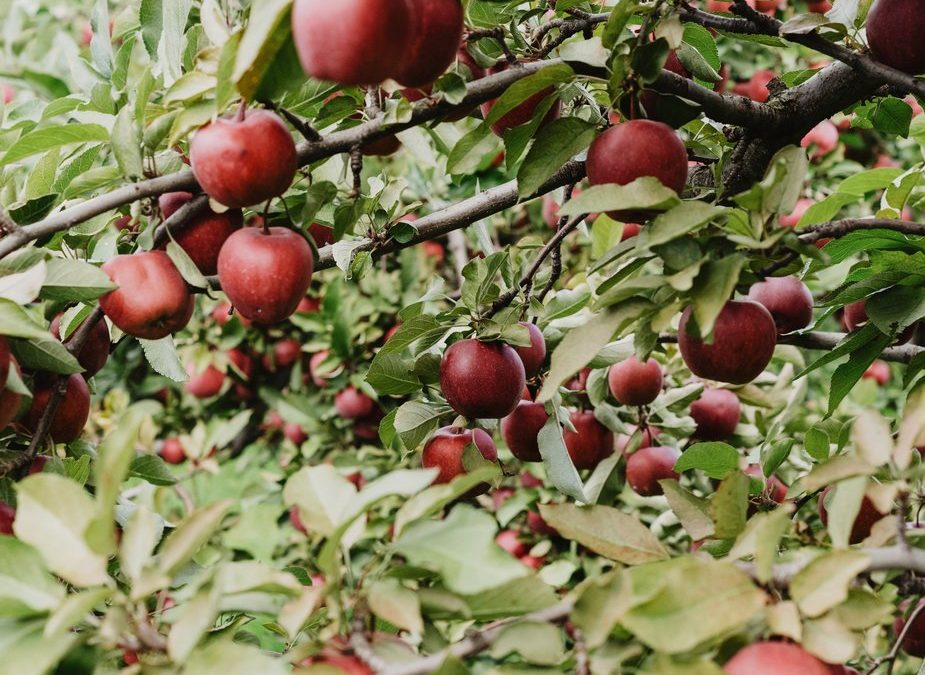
(824, 583)
(163, 359)
(526, 87)
(28, 651)
(716, 460)
(416, 420)
(40, 140)
(713, 287)
(536, 641)
(644, 194)
(679, 221)
(153, 469)
(74, 281)
(730, 504)
(555, 144)
(126, 144)
(26, 587)
(692, 511)
(560, 469)
(224, 657)
(267, 31)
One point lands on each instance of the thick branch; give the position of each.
(839, 228)
(828, 341)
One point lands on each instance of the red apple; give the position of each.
(787, 299)
(591, 441)
(283, 354)
(533, 356)
(294, 433)
(819, 6)
(482, 379)
(580, 381)
(95, 351)
(523, 113)
(352, 403)
(244, 162)
(38, 464)
(265, 273)
(71, 416)
(152, 300)
(879, 371)
(744, 337)
(773, 486)
(444, 451)
(5, 360)
(172, 451)
(894, 33)
(867, 516)
(774, 658)
(10, 401)
(521, 428)
(308, 305)
(510, 541)
(756, 88)
(203, 236)
(855, 316)
(7, 516)
(792, 219)
(313, 363)
(823, 138)
(717, 414)
(647, 466)
(913, 643)
(205, 383)
(635, 383)
(322, 234)
(242, 362)
(435, 32)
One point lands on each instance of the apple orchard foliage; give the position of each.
(246, 490)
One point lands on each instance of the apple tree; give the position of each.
(442, 336)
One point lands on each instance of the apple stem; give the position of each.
(266, 211)
(242, 111)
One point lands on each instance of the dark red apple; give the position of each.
(313, 363)
(533, 356)
(371, 51)
(879, 371)
(819, 6)
(521, 428)
(5, 359)
(635, 383)
(867, 516)
(637, 149)
(717, 414)
(580, 381)
(647, 466)
(10, 401)
(649, 99)
(205, 383)
(265, 273)
(744, 337)
(855, 316)
(203, 236)
(482, 379)
(172, 451)
(510, 541)
(539, 526)
(152, 300)
(435, 32)
(244, 162)
(352, 403)
(591, 441)
(523, 113)
(787, 299)
(7, 516)
(322, 234)
(95, 351)
(774, 658)
(38, 464)
(914, 642)
(72, 413)
(894, 33)
(308, 305)
(774, 487)
(444, 451)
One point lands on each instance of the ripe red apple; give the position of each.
(533, 356)
(313, 363)
(265, 272)
(482, 379)
(539, 526)
(867, 516)
(591, 441)
(172, 451)
(635, 383)
(787, 299)
(296, 521)
(72, 413)
(352, 403)
(7, 516)
(649, 436)
(855, 316)
(38, 464)
(241, 361)
(203, 236)
(757, 87)
(435, 251)
(223, 312)
(773, 487)
(647, 466)
(294, 433)
(244, 162)
(152, 300)
(205, 383)
(884, 161)
(5, 360)
(819, 6)
(648, 99)
(523, 113)
(914, 642)
(823, 138)
(95, 352)
(283, 354)
(444, 451)
(793, 219)
(8, 93)
(744, 337)
(322, 234)
(10, 401)
(636, 149)
(774, 658)
(717, 414)
(879, 371)
(894, 33)
(308, 305)
(435, 32)
(510, 541)
(580, 381)
(521, 428)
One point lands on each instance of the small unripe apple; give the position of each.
(444, 451)
(637, 149)
(265, 272)
(7, 516)
(647, 466)
(879, 371)
(717, 414)
(203, 236)
(867, 516)
(205, 383)
(744, 337)
(894, 33)
(774, 658)
(482, 379)
(787, 299)
(152, 300)
(823, 138)
(244, 162)
(521, 428)
(95, 352)
(635, 383)
(792, 219)
(172, 451)
(71, 416)
(533, 356)
(590, 443)
(510, 541)
(352, 403)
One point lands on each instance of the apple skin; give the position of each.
(648, 98)
(580, 381)
(533, 356)
(635, 383)
(879, 371)
(633, 150)
(245, 162)
(647, 466)
(283, 354)
(241, 361)
(95, 351)
(152, 300)
(71, 415)
(824, 136)
(294, 433)
(520, 430)
(914, 642)
(482, 379)
(5, 359)
(855, 316)
(7, 516)
(10, 401)
(205, 383)
(435, 33)
(322, 234)
(744, 337)
(444, 451)
(717, 414)
(774, 658)
(792, 219)
(756, 88)
(523, 113)
(867, 516)
(352, 404)
(591, 441)
(172, 451)
(510, 541)
(539, 526)
(203, 236)
(370, 52)
(313, 363)
(773, 487)
(265, 274)
(787, 299)
(819, 6)
(894, 31)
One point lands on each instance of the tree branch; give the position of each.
(839, 228)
